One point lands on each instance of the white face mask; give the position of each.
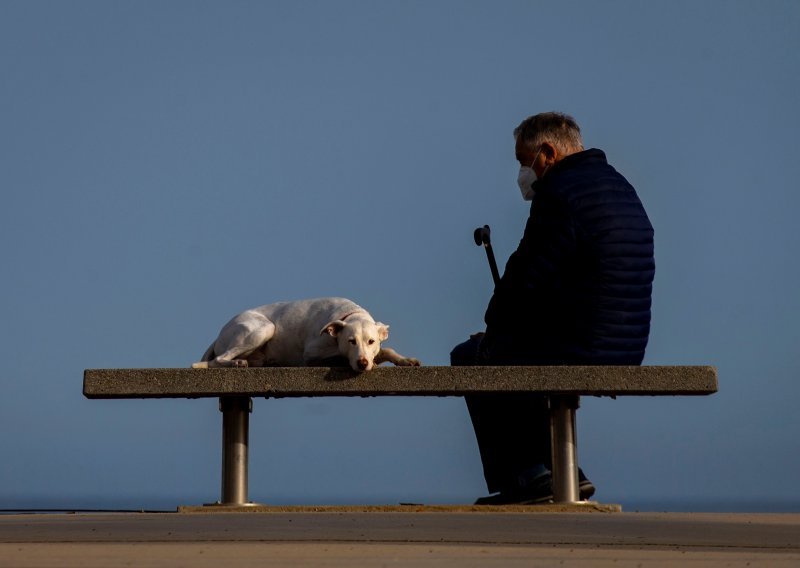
(525, 180)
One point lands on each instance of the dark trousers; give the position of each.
(513, 430)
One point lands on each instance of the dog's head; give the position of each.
(359, 340)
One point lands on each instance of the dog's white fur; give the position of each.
(302, 333)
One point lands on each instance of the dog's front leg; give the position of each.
(392, 356)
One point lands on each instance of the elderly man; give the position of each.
(577, 291)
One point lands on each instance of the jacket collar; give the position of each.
(592, 156)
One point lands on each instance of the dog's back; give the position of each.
(306, 318)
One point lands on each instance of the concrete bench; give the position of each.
(563, 386)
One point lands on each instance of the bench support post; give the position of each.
(235, 432)
(564, 448)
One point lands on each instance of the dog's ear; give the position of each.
(383, 331)
(333, 328)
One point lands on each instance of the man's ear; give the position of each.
(333, 328)
(550, 153)
(383, 331)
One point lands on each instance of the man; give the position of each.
(577, 291)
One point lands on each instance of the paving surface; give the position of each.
(346, 538)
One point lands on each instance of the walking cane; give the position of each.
(483, 237)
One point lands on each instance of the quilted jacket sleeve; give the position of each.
(535, 270)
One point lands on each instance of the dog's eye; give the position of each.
(371, 341)
(352, 341)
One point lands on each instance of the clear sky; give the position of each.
(165, 165)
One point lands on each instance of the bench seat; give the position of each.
(399, 381)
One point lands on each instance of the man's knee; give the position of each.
(458, 356)
(466, 354)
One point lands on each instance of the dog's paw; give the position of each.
(408, 362)
(238, 363)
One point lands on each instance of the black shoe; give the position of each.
(539, 490)
(526, 496)
(585, 487)
(533, 486)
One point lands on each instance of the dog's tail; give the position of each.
(207, 356)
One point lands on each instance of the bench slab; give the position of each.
(281, 382)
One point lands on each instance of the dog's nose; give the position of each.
(363, 364)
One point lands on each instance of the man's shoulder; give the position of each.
(591, 192)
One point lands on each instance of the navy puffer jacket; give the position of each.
(578, 288)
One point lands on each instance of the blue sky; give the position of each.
(165, 165)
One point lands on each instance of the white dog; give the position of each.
(302, 333)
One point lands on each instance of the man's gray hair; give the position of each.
(557, 128)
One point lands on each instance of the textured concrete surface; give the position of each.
(400, 539)
(400, 381)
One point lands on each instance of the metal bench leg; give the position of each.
(564, 448)
(235, 431)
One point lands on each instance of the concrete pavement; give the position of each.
(346, 538)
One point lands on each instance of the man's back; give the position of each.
(578, 288)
